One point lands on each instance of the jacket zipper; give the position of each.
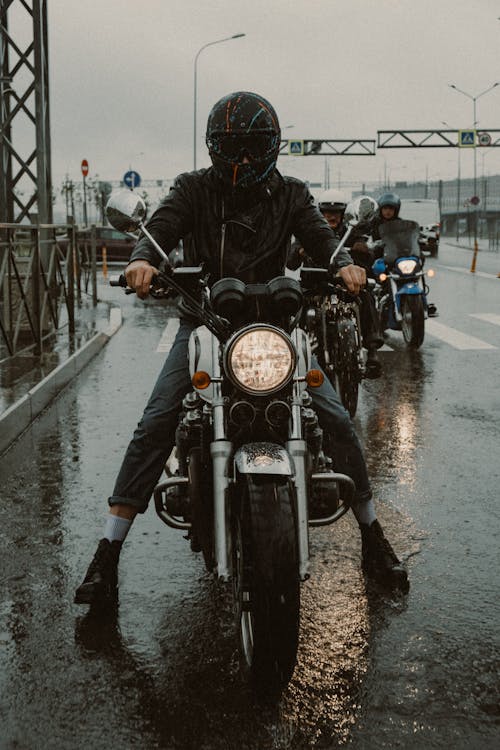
(222, 242)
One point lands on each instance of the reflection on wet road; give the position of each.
(161, 669)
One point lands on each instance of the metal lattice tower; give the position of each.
(25, 171)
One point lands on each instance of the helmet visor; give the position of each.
(234, 147)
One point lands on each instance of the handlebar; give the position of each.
(157, 288)
(186, 281)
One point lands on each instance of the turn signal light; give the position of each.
(201, 380)
(383, 276)
(315, 378)
(430, 272)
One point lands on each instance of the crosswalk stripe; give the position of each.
(487, 317)
(168, 335)
(456, 339)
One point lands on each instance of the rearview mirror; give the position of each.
(125, 210)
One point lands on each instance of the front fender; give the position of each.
(263, 458)
(411, 287)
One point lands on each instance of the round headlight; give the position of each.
(260, 360)
(406, 266)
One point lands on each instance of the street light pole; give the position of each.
(474, 100)
(443, 122)
(218, 41)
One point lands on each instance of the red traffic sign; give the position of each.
(85, 167)
(475, 200)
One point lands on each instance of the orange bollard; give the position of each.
(474, 258)
(104, 263)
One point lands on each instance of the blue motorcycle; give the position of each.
(401, 290)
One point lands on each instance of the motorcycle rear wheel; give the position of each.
(266, 581)
(412, 325)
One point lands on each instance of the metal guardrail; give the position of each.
(43, 268)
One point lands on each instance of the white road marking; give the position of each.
(466, 271)
(454, 338)
(168, 335)
(488, 317)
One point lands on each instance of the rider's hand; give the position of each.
(354, 277)
(139, 275)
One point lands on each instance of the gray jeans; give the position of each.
(154, 437)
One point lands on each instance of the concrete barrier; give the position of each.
(21, 414)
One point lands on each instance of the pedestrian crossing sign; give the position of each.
(296, 148)
(467, 138)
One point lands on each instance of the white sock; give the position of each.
(116, 528)
(364, 511)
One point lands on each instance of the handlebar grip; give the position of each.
(118, 280)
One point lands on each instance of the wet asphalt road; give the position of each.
(374, 671)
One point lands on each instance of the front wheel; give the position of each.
(347, 370)
(412, 325)
(266, 580)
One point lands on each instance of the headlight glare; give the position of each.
(260, 360)
(406, 266)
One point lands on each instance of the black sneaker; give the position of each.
(101, 579)
(379, 559)
(373, 365)
(432, 310)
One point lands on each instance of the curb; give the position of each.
(21, 414)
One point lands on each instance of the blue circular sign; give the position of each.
(132, 179)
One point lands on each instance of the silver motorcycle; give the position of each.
(252, 475)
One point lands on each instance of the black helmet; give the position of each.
(390, 199)
(242, 125)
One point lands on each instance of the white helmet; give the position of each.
(363, 208)
(332, 200)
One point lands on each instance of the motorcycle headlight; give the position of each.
(406, 266)
(260, 360)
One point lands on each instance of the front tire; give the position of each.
(412, 325)
(266, 580)
(347, 373)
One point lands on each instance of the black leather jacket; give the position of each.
(249, 241)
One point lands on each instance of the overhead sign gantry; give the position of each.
(328, 147)
(437, 138)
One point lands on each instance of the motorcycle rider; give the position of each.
(240, 214)
(333, 203)
(389, 206)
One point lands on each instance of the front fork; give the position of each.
(396, 295)
(221, 451)
(297, 448)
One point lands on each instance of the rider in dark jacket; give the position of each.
(240, 214)
(389, 205)
(332, 203)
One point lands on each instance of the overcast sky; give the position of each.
(121, 78)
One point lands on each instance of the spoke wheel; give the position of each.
(347, 371)
(412, 325)
(266, 581)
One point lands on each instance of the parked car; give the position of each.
(425, 211)
(118, 245)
